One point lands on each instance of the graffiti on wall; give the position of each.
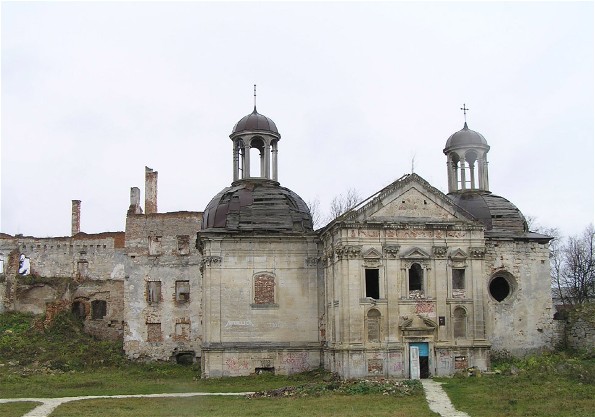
(296, 362)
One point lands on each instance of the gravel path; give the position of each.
(439, 401)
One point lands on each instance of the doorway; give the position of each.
(419, 360)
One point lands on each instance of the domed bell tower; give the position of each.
(467, 163)
(255, 131)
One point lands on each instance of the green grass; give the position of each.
(332, 405)
(16, 409)
(543, 386)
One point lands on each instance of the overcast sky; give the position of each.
(93, 92)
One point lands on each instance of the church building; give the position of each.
(409, 283)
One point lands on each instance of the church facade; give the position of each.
(410, 283)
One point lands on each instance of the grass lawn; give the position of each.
(16, 409)
(540, 394)
(329, 405)
(135, 379)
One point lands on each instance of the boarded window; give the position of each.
(154, 332)
(155, 245)
(459, 322)
(98, 309)
(182, 291)
(82, 268)
(264, 289)
(153, 292)
(184, 245)
(372, 283)
(416, 279)
(373, 325)
(182, 331)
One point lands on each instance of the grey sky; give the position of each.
(93, 92)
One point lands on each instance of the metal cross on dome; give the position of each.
(462, 108)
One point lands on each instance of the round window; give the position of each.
(500, 288)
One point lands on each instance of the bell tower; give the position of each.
(255, 131)
(467, 163)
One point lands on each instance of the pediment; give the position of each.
(417, 323)
(372, 254)
(410, 198)
(416, 253)
(413, 203)
(458, 255)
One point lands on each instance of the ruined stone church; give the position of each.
(410, 283)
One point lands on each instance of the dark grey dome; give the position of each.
(498, 214)
(255, 121)
(257, 205)
(465, 137)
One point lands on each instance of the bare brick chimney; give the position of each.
(76, 216)
(135, 201)
(150, 191)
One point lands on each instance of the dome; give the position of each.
(257, 205)
(255, 121)
(465, 137)
(499, 215)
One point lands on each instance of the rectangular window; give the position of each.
(264, 289)
(182, 291)
(82, 269)
(182, 331)
(458, 279)
(155, 245)
(373, 283)
(153, 292)
(184, 245)
(154, 332)
(98, 309)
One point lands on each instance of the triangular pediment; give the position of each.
(372, 254)
(458, 254)
(409, 199)
(416, 253)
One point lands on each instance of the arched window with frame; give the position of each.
(416, 281)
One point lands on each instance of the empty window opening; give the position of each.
(499, 288)
(182, 291)
(185, 358)
(458, 279)
(98, 309)
(373, 283)
(416, 276)
(264, 289)
(79, 310)
(153, 292)
(154, 332)
(459, 322)
(259, 371)
(373, 325)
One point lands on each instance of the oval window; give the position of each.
(499, 288)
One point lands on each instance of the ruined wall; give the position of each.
(79, 269)
(261, 308)
(162, 289)
(522, 321)
(580, 328)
